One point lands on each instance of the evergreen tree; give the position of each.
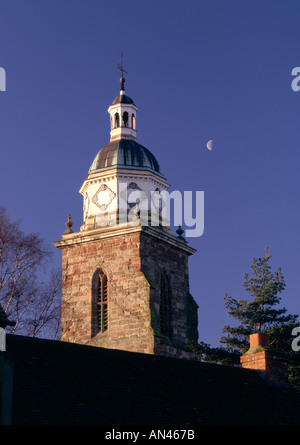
(261, 313)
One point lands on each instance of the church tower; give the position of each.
(125, 275)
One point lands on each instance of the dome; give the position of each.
(127, 154)
(122, 99)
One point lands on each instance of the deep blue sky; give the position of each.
(198, 70)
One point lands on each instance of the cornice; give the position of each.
(77, 238)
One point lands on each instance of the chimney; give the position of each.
(6, 373)
(262, 357)
(4, 321)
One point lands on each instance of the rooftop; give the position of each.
(64, 383)
(125, 153)
(123, 99)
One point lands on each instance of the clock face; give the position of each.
(103, 197)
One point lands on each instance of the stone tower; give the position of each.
(125, 275)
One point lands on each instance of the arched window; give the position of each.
(133, 121)
(117, 120)
(165, 309)
(125, 119)
(100, 303)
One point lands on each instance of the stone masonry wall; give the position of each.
(128, 293)
(133, 262)
(158, 257)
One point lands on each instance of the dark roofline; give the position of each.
(65, 383)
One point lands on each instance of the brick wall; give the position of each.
(254, 361)
(271, 363)
(265, 359)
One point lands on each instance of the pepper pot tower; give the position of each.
(125, 276)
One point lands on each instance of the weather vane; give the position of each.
(121, 68)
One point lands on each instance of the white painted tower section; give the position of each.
(123, 120)
(103, 191)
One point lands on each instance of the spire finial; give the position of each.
(180, 232)
(68, 224)
(121, 68)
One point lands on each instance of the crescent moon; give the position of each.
(209, 145)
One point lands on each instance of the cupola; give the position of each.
(123, 116)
